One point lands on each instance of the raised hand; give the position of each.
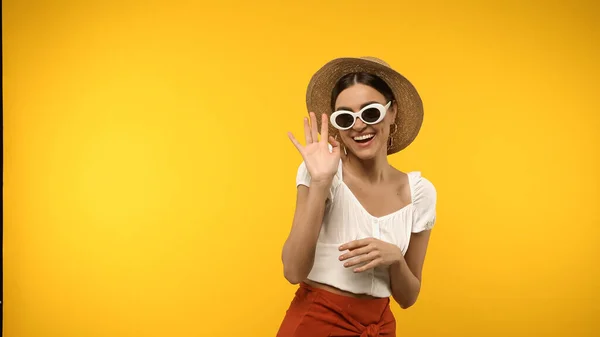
(321, 163)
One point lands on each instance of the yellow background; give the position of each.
(149, 181)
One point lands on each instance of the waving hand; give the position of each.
(320, 162)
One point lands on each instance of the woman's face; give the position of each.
(365, 141)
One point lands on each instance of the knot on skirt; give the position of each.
(371, 330)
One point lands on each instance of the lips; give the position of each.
(364, 140)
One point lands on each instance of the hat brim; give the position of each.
(409, 116)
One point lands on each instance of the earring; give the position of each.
(390, 138)
(395, 129)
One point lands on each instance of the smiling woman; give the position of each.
(356, 214)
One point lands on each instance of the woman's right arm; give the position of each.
(321, 164)
(299, 248)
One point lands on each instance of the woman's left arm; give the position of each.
(406, 271)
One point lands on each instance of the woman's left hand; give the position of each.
(372, 252)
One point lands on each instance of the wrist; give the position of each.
(318, 191)
(398, 258)
(321, 184)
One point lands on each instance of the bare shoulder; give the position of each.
(398, 175)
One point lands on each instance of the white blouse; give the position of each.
(346, 220)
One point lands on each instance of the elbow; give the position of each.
(292, 280)
(406, 302)
(292, 275)
(294, 272)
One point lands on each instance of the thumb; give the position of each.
(337, 146)
(334, 143)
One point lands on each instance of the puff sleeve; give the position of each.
(302, 177)
(425, 200)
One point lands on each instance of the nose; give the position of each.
(359, 125)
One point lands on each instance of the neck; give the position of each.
(373, 170)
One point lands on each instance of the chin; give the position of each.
(366, 155)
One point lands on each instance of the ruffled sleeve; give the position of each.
(424, 199)
(303, 178)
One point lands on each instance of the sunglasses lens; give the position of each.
(344, 120)
(371, 115)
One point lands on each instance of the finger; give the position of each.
(360, 260)
(324, 128)
(368, 266)
(295, 142)
(313, 127)
(337, 147)
(307, 133)
(356, 252)
(355, 244)
(333, 142)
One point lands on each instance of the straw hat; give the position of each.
(409, 116)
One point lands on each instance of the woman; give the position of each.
(356, 214)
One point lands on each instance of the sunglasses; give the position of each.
(370, 114)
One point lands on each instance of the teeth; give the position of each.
(363, 137)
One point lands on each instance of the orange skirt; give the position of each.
(317, 312)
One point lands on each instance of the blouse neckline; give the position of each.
(360, 205)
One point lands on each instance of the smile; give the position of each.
(363, 139)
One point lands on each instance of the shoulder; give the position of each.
(424, 199)
(422, 189)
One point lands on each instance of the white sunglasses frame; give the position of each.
(382, 109)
